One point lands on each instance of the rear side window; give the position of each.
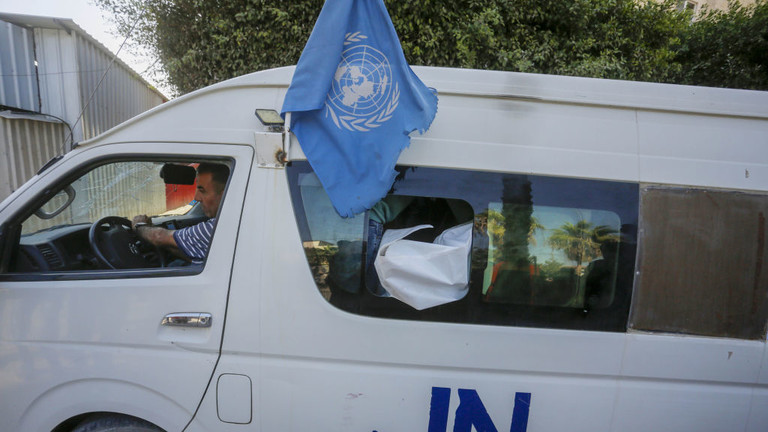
(545, 251)
(702, 263)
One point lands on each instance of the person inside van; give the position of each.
(601, 276)
(190, 243)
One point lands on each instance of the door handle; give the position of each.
(187, 319)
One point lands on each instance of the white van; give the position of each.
(618, 276)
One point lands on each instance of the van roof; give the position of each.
(564, 89)
(515, 122)
(457, 82)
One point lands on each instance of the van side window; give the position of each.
(87, 224)
(702, 263)
(545, 251)
(551, 256)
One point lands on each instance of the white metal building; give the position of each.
(49, 69)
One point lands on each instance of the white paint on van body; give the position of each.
(315, 367)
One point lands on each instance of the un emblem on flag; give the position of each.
(362, 95)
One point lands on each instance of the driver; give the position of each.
(191, 243)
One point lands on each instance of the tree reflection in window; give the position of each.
(549, 256)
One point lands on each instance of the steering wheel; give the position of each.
(115, 244)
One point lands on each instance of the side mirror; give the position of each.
(57, 203)
(178, 174)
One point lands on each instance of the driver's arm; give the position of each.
(158, 236)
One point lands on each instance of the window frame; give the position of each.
(466, 310)
(10, 230)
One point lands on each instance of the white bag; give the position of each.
(425, 275)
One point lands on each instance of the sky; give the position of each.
(90, 18)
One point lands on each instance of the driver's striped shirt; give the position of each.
(195, 241)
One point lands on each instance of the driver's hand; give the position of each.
(142, 219)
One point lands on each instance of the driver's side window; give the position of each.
(89, 224)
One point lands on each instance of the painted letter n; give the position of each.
(471, 412)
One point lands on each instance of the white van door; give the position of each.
(137, 340)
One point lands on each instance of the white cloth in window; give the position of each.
(424, 275)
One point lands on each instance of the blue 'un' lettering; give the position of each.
(471, 412)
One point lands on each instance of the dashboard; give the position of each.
(67, 248)
(55, 249)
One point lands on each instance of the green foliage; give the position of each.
(581, 241)
(728, 49)
(320, 255)
(621, 39)
(551, 268)
(201, 42)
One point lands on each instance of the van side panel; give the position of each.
(319, 367)
(322, 368)
(703, 150)
(86, 342)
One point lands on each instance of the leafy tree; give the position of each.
(533, 228)
(200, 42)
(727, 48)
(622, 39)
(581, 241)
(495, 227)
(551, 268)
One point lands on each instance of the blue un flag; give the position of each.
(354, 100)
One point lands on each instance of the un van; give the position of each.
(617, 274)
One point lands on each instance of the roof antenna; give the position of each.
(90, 98)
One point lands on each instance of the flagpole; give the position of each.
(287, 137)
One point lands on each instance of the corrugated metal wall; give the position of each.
(58, 75)
(119, 97)
(17, 65)
(25, 146)
(70, 64)
(125, 189)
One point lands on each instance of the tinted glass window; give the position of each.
(546, 252)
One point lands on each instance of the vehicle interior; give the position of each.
(86, 224)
